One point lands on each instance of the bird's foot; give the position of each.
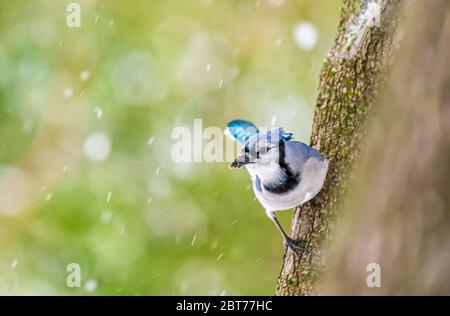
(297, 246)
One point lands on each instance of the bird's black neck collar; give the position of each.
(288, 179)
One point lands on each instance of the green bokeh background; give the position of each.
(166, 228)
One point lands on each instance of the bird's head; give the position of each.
(262, 149)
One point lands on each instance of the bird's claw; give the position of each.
(296, 246)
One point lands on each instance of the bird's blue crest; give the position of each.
(241, 130)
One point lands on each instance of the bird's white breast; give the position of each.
(312, 177)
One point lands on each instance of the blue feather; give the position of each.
(286, 136)
(242, 130)
(280, 133)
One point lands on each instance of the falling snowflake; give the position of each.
(97, 147)
(85, 75)
(274, 120)
(68, 92)
(194, 239)
(28, 126)
(276, 3)
(106, 217)
(108, 198)
(90, 285)
(306, 35)
(98, 112)
(49, 196)
(14, 263)
(278, 41)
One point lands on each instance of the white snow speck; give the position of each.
(278, 41)
(274, 120)
(14, 263)
(90, 285)
(106, 217)
(150, 140)
(306, 35)
(149, 200)
(98, 112)
(96, 19)
(85, 75)
(64, 169)
(49, 196)
(220, 256)
(108, 198)
(208, 67)
(275, 3)
(68, 93)
(97, 147)
(194, 239)
(27, 126)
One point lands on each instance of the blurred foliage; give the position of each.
(136, 222)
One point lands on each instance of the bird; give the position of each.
(284, 173)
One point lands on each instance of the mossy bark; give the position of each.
(350, 81)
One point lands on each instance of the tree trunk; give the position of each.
(398, 213)
(349, 85)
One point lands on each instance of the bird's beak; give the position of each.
(241, 160)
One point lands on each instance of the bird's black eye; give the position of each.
(262, 151)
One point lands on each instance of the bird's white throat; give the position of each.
(270, 173)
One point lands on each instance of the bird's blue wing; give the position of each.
(241, 130)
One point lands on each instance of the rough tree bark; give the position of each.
(349, 85)
(398, 213)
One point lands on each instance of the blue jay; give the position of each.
(284, 173)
